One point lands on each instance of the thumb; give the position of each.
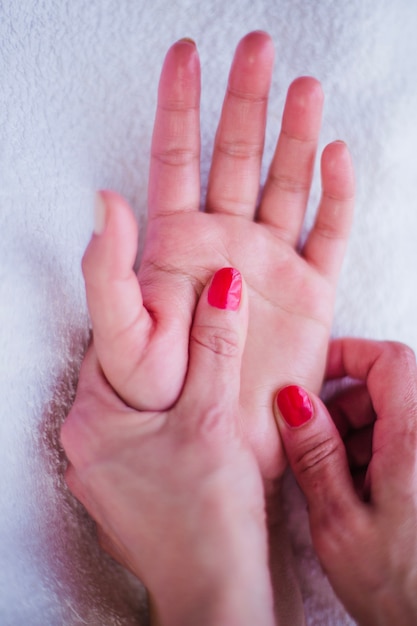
(121, 324)
(217, 341)
(316, 454)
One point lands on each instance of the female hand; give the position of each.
(141, 323)
(177, 495)
(362, 495)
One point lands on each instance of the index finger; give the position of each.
(390, 372)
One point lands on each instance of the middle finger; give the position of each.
(235, 171)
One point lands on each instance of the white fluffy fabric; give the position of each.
(77, 97)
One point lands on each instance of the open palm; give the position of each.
(142, 322)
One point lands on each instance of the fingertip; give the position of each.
(252, 64)
(257, 42)
(218, 336)
(225, 289)
(306, 87)
(113, 201)
(182, 56)
(180, 74)
(313, 446)
(227, 297)
(303, 109)
(113, 246)
(217, 340)
(187, 41)
(334, 363)
(326, 244)
(110, 211)
(100, 214)
(295, 411)
(337, 170)
(224, 304)
(337, 150)
(294, 406)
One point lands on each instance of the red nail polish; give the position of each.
(225, 290)
(294, 405)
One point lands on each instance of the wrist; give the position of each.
(397, 607)
(233, 600)
(219, 581)
(389, 607)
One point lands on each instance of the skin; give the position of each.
(166, 488)
(141, 322)
(357, 465)
(362, 494)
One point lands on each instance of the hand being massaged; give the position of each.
(141, 322)
(177, 389)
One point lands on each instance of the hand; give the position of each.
(141, 323)
(177, 495)
(363, 525)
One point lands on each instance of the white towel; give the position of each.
(77, 96)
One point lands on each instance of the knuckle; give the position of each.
(85, 262)
(404, 359)
(332, 224)
(220, 341)
(175, 157)
(240, 149)
(212, 420)
(208, 437)
(177, 107)
(338, 199)
(287, 183)
(213, 434)
(246, 98)
(316, 455)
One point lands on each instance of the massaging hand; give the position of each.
(141, 322)
(178, 495)
(362, 495)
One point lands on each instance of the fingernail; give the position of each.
(188, 40)
(294, 405)
(100, 214)
(225, 290)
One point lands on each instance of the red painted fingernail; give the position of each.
(225, 290)
(294, 405)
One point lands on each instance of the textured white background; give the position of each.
(78, 81)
